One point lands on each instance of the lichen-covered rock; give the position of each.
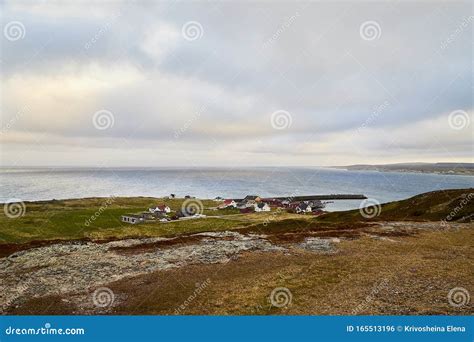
(315, 244)
(81, 267)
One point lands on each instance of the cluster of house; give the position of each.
(157, 213)
(249, 204)
(254, 203)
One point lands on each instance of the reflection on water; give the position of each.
(44, 184)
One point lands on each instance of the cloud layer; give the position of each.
(197, 84)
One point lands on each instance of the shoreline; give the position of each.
(469, 172)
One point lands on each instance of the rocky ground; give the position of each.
(78, 274)
(81, 267)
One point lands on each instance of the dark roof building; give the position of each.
(303, 206)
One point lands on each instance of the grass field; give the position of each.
(386, 267)
(410, 277)
(431, 206)
(72, 219)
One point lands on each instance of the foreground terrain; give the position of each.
(406, 260)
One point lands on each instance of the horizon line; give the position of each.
(222, 166)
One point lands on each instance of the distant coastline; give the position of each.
(230, 183)
(466, 169)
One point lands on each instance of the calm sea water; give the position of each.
(45, 184)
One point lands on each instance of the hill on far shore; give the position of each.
(443, 168)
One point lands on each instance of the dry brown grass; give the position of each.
(365, 276)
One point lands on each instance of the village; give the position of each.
(193, 208)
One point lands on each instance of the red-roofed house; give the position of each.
(228, 203)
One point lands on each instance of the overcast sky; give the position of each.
(148, 83)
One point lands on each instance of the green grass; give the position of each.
(431, 206)
(99, 218)
(73, 219)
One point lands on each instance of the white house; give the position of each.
(160, 209)
(303, 208)
(229, 203)
(262, 207)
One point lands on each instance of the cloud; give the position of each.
(348, 98)
(160, 41)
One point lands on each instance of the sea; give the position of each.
(32, 184)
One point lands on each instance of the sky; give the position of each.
(241, 83)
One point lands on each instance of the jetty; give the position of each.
(333, 197)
